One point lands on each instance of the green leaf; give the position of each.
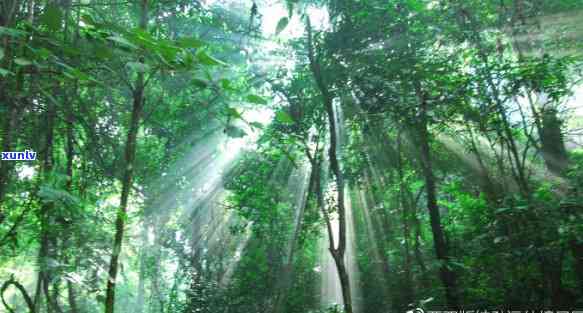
(502, 210)
(256, 125)
(284, 118)
(235, 132)
(11, 32)
(5, 73)
(415, 5)
(232, 112)
(189, 42)
(79, 75)
(138, 66)
(206, 59)
(52, 17)
(168, 50)
(199, 82)
(87, 19)
(22, 62)
(227, 85)
(1, 53)
(71, 51)
(43, 53)
(50, 194)
(255, 99)
(102, 52)
(122, 41)
(74, 73)
(281, 25)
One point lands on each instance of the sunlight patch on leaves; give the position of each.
(255, 99)
(284, 118)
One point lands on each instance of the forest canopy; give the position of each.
(291, 156)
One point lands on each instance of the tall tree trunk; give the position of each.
(70, 260)
(72, 292)
(130, 154)
(8, 133)
(487, 185)
(337, 252)
(66, 244)
(406, 212)
(47, 240)
(9, 93)
(447, 276)
(417, 250)
(10, 127)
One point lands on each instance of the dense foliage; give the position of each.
(289, 157)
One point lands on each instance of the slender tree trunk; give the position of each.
(406, 209)
(73, 261)
(447, 276)
(417, 250)
(72, 293)
(8, 9)
(9, 93)
(8, 134)
(337, 252)
(23, 292)
(127, 181)
(70, 154)
(47, 240)
(487, 184)
(9, 131)
(130, 153)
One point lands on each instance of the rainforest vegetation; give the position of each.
(291, 156)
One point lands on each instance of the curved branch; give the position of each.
(22, 290)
